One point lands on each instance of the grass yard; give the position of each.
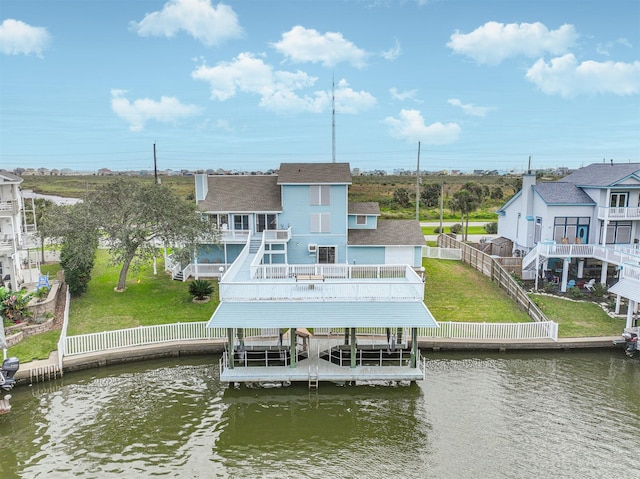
(456, 292)
(473, 230)
(578, 318)
(148, 300)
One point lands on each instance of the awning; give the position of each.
(627, 288)
(327, 314)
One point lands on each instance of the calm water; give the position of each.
(570, 415)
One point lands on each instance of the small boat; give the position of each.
(630, 342)
(8, 371)
(5, 406)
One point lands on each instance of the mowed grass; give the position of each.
(456, 292)
(148, 300)
(578, 318)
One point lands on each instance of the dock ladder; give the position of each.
(313, 376)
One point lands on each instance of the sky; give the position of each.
(381, 84)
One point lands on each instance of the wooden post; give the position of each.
(293, 338)
(230, 348)
(353, 348)
(414, 347)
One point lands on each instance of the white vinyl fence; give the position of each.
(455, 330)
(441, 253)
(142, 335)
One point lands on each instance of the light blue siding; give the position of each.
(372, 223)
(366, 255)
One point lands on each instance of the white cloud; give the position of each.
(278, 90)
(410, 126)
(566, 77)
(204, 22)
(393, 53)
(494, 42)
(470, 109)
(402, 95)
(167, 110)
(302, 45)
(17, 37)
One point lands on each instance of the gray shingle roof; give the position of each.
(389, 233)
(365, 208)
(242, 193)
(314, 173)
(559, 193)
(602, 174)
(9, 177)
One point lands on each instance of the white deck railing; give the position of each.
(145, 335)
(618, 213)
(489, 331)
(142, 335)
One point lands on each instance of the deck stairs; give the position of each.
(254, 246)
(179, 276)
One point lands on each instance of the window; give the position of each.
(265, 222)
(361, 220)
(319, 195)
(320, 223)
(241, 222)
(618, 232)
(538, 231)
(326, 254)
(618, 200)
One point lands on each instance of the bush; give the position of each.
(551, 288)
(457, 228)
(491, 228)
(599, 290)
(575, 293)
(199, 288)
(42, 293)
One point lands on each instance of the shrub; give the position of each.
(13, 305)
(199, 288)
(551, 288)
(599, 290)
(491, 228)
(42, 293)
(457, 228)
(575, 293)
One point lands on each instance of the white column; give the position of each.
(580, 268)
(603, 272)
(630, 309)
(565, 275)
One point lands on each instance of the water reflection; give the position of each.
(513, 416)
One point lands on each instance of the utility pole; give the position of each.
(333, 119)
(155, 165)
(418, 186)
(441, 204)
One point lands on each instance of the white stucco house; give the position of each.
(585, 225)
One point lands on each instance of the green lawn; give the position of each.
(578, 318)
(456, 292)
(473, 230)
(148, 300)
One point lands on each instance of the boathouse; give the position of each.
(312, 287)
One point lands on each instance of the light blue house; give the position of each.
(312, 287)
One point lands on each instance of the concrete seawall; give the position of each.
(49, 368)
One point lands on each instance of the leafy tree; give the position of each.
(42, 207)
(491, 228)
(496, 193)
(401, 197)
(430, 195)
(77, 231)
(134, 218)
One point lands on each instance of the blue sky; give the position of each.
(246, 85)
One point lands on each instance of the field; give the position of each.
(364, 188)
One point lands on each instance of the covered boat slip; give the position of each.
(345, 341)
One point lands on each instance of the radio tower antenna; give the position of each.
(333, 119)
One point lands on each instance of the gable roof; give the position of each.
(389, 233)
(242, 194)
(365, 208)
(559, 193)
(314, 173)
(7, 177)
(602, 174)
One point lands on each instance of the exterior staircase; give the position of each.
(254, 246)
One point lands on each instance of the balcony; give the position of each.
(9, 208)
(334, 282)
(618, 214)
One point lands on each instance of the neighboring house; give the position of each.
(296, 256)
(587, 224)
(15, 233)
